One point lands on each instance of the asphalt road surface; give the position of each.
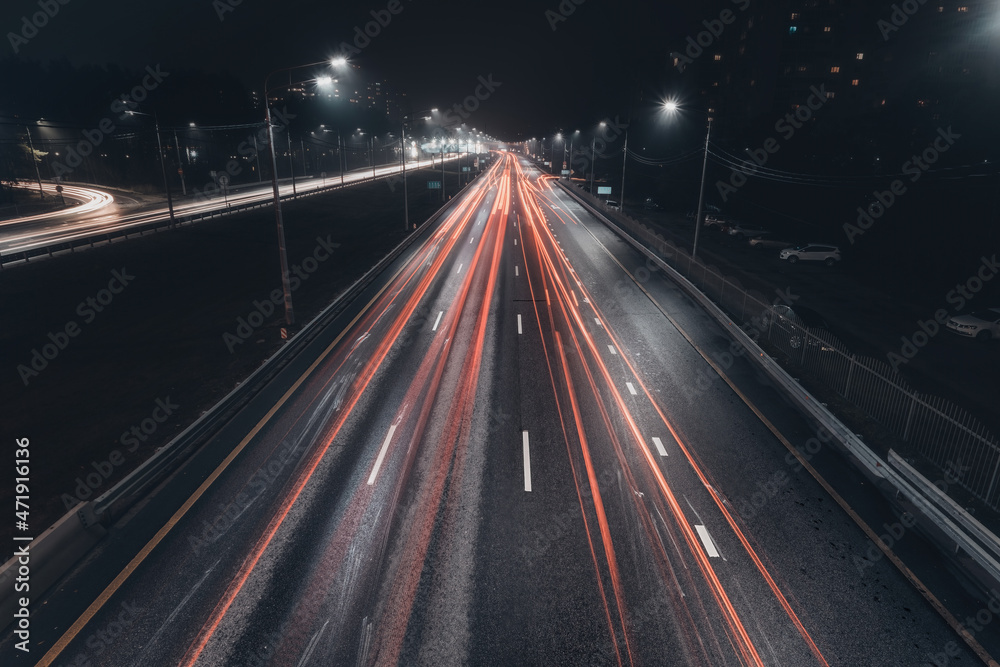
(512, 452)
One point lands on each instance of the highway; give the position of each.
(506, 454)
(99, 213)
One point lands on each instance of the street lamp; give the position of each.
(406, 199)
(163, 166)
(593, 157)
(624, 164)
(671, 107)
(282, 254)
(552, 152)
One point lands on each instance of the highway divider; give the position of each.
(60, 547)
(955, 537)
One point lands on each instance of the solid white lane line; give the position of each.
(527, 461)
(516, 273)
(631, 389)
(612, 349)
(659, 446)
(706, 539)
(460, 268)
(437, 321)
(519, 331)
(381, 455)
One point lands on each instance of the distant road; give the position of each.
(99, 212)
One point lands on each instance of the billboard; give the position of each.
(602, 190)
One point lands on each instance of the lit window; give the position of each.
(795, 16)
(802, 68)
(860, 56)
(718, 56)
(830, 95)
(963, 9)
(835, 69)
(921, 103)
(792, 30)
(827, 28)
(940, 9)
(855, 82)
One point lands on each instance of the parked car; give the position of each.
(981, 324)
(762, 242)
(709, 209)
(613, 205)
(742, 231)
(650, 204)
(812, 252)
(718, 221)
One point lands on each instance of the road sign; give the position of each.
(565, 172)
(601, 190)
(465, 169)
(223, 180)
(322, 174)
(433, 185)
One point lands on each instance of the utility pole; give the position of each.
(34, 162)
(180, 165)
(701, 193)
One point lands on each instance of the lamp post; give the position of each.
(624, 164)
(672, 107)
(34, 161)
(593, 157)
(406, 199)
(701, 192)
(163, 166)
(282, 253)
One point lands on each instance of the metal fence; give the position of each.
(932, 428)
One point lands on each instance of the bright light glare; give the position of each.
(670, 106)
(325, 80)
(339, 61)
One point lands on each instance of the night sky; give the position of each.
(594, 64)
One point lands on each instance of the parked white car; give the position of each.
(613, 205)
(981, 324)
(812, 252)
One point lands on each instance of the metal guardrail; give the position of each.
(943, 434)
(75, 533)
(871, 464)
